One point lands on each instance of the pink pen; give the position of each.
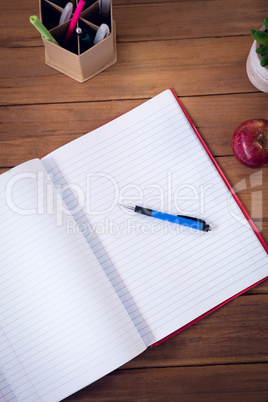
(73, 21)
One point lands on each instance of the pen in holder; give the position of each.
(78, 58)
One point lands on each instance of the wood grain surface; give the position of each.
(198, 48)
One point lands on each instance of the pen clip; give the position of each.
(205, 227)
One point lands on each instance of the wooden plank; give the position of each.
(173, 20)
(237, 383)
(143, 70)
(34, 130)
(138, 20)
(18, 32)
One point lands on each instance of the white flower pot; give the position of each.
(257, 74)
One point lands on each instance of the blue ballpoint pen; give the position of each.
(194, 223)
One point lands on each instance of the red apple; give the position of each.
(250, 143)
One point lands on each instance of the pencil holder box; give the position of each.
(77, 59)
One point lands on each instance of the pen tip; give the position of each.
(127, 206)
(207, 228)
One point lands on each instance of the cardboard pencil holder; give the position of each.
(77, 59)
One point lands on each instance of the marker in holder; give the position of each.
(86, 41)
(67, 12)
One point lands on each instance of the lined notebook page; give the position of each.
(152, 157)
(62, 324)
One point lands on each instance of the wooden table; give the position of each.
(199, 48)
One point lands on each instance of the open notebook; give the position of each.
(87, 285)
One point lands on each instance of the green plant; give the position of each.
(262, 38)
